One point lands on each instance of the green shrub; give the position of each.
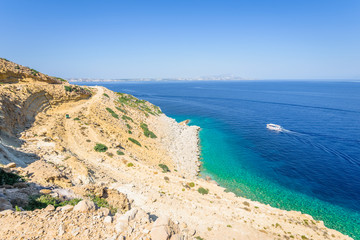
(76, 119)
(112, 113)
(33, 72)
(101, 202)
(124, 117)
(9, 178)
(17, 209)
(128, 126)
(191, 184)
(110, 154)
(134, 141)
(121, 110)
(164, 168)
(120, 152)
(100, 147)
(39, 202)
(130, 164)
(129, 132)
(146, 130)
(106, 95)
(199, 238)
(17, 67)
(203, 191)
(68, 88)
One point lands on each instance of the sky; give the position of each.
(257, 39)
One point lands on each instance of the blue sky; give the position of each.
(262, 39)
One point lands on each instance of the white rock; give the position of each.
(108, 219)
(85, 206)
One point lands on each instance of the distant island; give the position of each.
(223, 77)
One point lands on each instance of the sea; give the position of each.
(312, 166)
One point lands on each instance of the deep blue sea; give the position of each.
(312, 167)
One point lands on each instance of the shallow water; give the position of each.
(313, 167)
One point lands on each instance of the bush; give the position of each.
(146, 130)
(121, 110)
(134, 141)
(112, 113)
(76, 119)
(39, 202)
(164, 168)
(9, 178)
(33, 72)
(68, 88)
(203, 191)
(191, 184)
(110, 154)
(124, 117)
(130, 164)
(106, 95)
(120, 152)
(100, 147)
(101, 202)
(128, 126)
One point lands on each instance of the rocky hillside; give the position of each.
(14, 73)
(89, 163)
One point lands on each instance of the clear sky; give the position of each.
(263, 39)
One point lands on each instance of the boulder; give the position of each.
(49, 208)
(67, 208)
(85, 206)
(5, 204)
(162, 229)
(11, 165)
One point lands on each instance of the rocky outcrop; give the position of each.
(14, 73)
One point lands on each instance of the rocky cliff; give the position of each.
(89, 163)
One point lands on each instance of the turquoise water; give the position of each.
(314, 167)
(220, 161)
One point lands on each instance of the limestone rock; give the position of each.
(49, 208)
(85, 206)
(5, 204)
(11, 165)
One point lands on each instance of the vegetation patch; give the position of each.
(106, 95)
(39, 202)
(128, 126)
(120, 153)
(124, 117)
(9, 178)
(68, 88)
(121, 110)
(146, 130)
(101, 202)
(164, 168)
(76, 119)
(112, 113)
(191, 184)
(34, 72)
(135, 141)
(203, 191)
(130, 164)
(144, 106)
(99, 147)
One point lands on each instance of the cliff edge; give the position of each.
(83, 162)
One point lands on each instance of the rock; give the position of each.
(177, 237)
(161, 229)
(7, 186)
(67, 208)
(85, 206)
(121, 226)
(108, 220)
(11, 165)
(20, 185)
(5, 204)
(104, 211)
(50, 208)
(116, 199)
(45, 191)
(6, 212)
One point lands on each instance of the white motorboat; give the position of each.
(274, 127)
